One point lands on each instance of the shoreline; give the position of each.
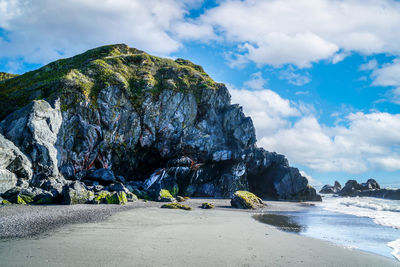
(147, 235)
(25, 221)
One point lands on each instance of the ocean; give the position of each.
(364, 223)
(385, 215)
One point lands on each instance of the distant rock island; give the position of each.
(352, 188)
(116, 123)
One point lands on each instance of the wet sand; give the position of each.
(145, 235)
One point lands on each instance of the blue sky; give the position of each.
(320, 78)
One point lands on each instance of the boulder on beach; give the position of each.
(76, 193)
(246, 200)
(207, 205)
(117, 198)
(176, 206)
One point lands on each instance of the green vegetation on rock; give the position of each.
(26, 199)
(5, 202)
(180, 199)
(82, 77)
(176, 206)
(20, 200)
(5, 76)
(117, 198)
(207, 205)
(100, 197)
(165, 196)
(246, 200)
(46, 200)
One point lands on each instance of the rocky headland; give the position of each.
(370, 188)
(115, 124)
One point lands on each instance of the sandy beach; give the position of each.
(142, 234)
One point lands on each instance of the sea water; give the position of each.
(382, 212)
(368, 224)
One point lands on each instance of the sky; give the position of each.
(320, 78)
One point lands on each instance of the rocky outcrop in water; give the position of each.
(331, 189)
(117, 119)
(371, 188)
(352, 188)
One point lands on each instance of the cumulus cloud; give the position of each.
(370, 65)
(310, 179)
(387, 75)
(301, 32)
(359, 143)
(298, 32)
(294, 78)
(43, 30)
(257, 82)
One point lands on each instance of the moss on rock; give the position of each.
(117, 198)
(5, 202)
(27, 199)
(180, 199)
(6, 76)
(100, 197)
(84, 76)
(20, 200)
(165, 196)
(207, 205)
(246, 200)
(46, 200)
(176, 206)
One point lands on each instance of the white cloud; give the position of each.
(257, 82)
(294, 78)
(276, 33)
(267, 109)
(388, 75)
(370, 65)
(39, 31)
(301, 32)
(310, 179)
(361, 142)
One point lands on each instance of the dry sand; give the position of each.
(149, 236)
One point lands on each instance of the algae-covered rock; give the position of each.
(207, 205)
(246, 200)
(176, 206)
(180, 199)
(19, 195)
(45, 200)
(5, 202)
(131, 197)
(117, 198)
(100, 197)
(76, 193)
(165, 196)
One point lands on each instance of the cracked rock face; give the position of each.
(117, 113)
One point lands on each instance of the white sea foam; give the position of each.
(382, 211)
(395, 245)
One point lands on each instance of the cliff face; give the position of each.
(116, 114)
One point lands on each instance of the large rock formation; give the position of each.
(371, 188)
(116, 114)
(331, 189)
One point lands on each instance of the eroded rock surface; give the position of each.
(115, 114)
(371, 188)
(331, 189)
